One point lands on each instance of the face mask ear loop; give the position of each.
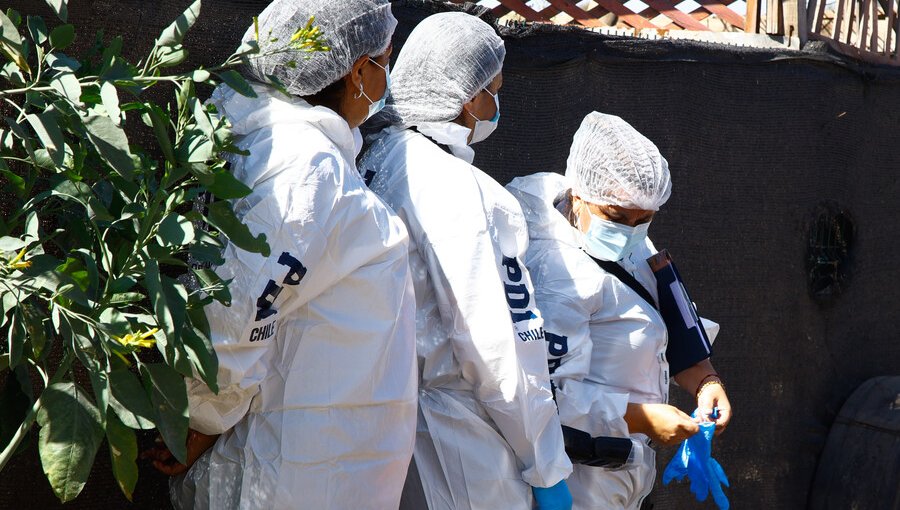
(472, 114)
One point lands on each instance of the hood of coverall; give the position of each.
(536, 193)
(272, 107)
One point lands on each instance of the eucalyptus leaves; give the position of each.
(101, 226)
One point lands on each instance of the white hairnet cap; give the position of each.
(610, 163)
(448, 58)
(352, 28)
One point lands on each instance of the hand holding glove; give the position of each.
(694, 460)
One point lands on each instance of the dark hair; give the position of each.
(330, 96)
(563, 204)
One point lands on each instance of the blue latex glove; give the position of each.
(557, 497)
(694, 460)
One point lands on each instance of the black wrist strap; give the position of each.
(625, 277)
(608, 452)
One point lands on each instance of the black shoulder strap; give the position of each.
(625, 277)
(442, 146)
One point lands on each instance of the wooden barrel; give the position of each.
(860, 466)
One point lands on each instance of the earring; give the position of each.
(357, 96)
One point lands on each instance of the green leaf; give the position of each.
(153, 283)
(214, 285)
(174, 33)
(200, 76)
(247, 48)
(237, 82)
(99, 382)
(62, 36)
(11, 244)
(169, 299)
(7, 140)
(160, 123)
(122, 284)
(124, 298)
(169, 397)
(18, 183)
(275, 82)
(175, 230)
(67, 84)
(168, 56)
(195, 147)
(123, 452)
(71, 433)
(46, 125)
(22, 135)
(45, 277)
(110, 97)
(8, 301)
(115, 323)
(84, 195)
(32, 228)
(164, 256)
(63, 62)
(207, 251)
(14, 16)
(15, 336)
(37, 29)
(111, 143)
(59, 8)
(226, 186)
(201, 117)
(75, 269)
(222, 217)
(113, 50)
(202, 356)
(11, 43)
(35, 328)
(90, 266)
(130, 401)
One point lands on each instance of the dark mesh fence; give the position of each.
(785, 169)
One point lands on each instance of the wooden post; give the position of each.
(889, 26)
(789, 12)
(751, 26)
(862, 27)
(838, 20)
(775, 17)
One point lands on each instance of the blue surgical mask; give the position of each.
(484, 128)
(607, 240)
(377, 106)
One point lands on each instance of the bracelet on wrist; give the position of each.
(707, 381)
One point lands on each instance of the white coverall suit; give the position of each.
(606, 344)
(317, 400)
(488, 428)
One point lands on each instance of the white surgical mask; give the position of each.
(377, 106)
(607, 240)
(484, 128)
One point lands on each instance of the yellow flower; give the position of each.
(18, 263)
(141, 340)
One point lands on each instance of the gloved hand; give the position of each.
(694, 460)
(557, 497)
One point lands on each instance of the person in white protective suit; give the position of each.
(488, 434)
(316, 406)
(607, 344)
